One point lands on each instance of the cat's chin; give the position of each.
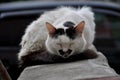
(65, 56)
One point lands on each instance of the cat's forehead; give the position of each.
(66, 29)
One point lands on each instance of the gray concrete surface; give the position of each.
(77, 70)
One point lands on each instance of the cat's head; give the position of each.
(65, 41)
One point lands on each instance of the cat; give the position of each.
(58, 35)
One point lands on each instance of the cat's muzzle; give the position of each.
(65, 54)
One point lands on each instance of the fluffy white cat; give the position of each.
(64, 31)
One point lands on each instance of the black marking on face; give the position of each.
(69, 24)
(70, 32)
(58, 32)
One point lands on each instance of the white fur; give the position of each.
(36, 34)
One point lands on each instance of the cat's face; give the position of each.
(65, 42)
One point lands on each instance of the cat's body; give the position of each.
(69, 31)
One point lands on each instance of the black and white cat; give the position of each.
(62, 32)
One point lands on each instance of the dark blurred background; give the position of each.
(116, 1)
(15, 15)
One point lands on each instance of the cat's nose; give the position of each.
(66, 53)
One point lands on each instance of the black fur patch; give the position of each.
(70, 32)
(69, 24)
(58, 32)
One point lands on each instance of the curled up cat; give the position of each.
(62, 35)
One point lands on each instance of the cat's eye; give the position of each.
(59, 44)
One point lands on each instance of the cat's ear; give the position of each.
(51, 29)
(79, 28)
